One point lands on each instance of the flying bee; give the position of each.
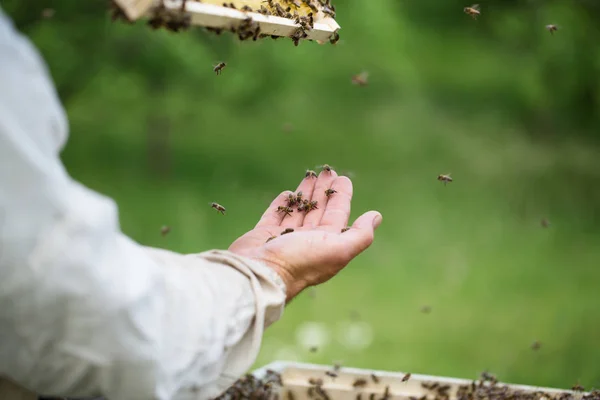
(545, 223)
(406, 377)
(310, 174)
(426, 309)
(286, 210)
(361, 79)
(551, 28)
(287, 230)
(346, 229)
(219, 67)
(329, 192)
(473, 11)
(218, 207)
(164, 231)
(313, 349)
(446, 178)
(536, 345)
(49, 13)
(271, 238)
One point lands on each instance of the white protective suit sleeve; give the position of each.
(86, 311)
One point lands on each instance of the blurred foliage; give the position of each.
(510, 110)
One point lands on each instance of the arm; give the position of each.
(84, 310)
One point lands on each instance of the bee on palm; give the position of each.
(286, 210)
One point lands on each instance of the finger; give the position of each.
(271, 216)
(361, 234)
(324, 182)
(337, 212)
(307, 186)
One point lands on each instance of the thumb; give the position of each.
(361, 234)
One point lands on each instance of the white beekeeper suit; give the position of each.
(85, 310)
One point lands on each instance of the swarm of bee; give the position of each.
(486, 387)
(249, 387)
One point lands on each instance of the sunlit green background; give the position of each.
(512, 112)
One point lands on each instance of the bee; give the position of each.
(291, 200)
(359, 383)
(264, 10)
(218, 31)
(329, 10)
(301, 207)
(312, 206)
(473, 11)
(386, 393)
(287, 230)
(331, 374)
(286, 210)
(310, 174)
(335, 37)
(578, 388)
(426, 309)
(536, 345)
(329, 192)
(298, 35)
(337, 367)
(219, 67)
(313, 349)
(551, 28)
(290, 395)
(545, 223)
(486, 376)
(218, 207)
(375, 378)
(164, 231)
(299, 197)
(406, 377)
(247, 8)
(346, 229)
(271, 238)
(49, 13)
(446, 178)
(326, 167)
(361, 79)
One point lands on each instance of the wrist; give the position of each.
(293, 285)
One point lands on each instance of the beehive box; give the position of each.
(298, 381)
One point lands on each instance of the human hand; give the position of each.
(317, 249)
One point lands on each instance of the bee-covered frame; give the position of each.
(212, 14)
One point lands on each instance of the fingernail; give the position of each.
(377, 221)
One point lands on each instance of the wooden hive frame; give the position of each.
(296, 376)
(212, 14)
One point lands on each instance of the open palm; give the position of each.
(317, 249)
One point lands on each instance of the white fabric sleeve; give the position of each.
(85, 310)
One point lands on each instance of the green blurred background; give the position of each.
(512, 112)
